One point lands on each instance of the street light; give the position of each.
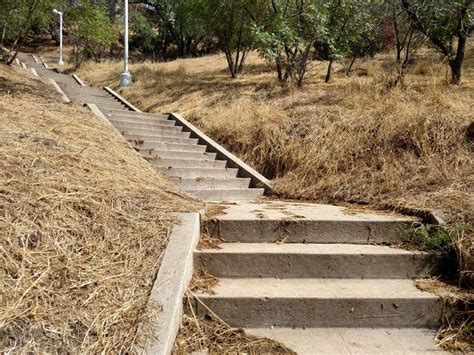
(61, 62)
(125, 77)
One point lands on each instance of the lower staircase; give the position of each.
(191, 160)
(320, 279)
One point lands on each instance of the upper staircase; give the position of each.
(174, 146)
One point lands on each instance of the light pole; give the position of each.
(125, 77)
(61, 62)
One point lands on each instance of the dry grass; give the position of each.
(351, 140)
(213, 335)
(457, 332)
(83, 226)
(348, 141)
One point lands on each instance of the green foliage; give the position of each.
(22, 18)
(447, 24)
(93, 31)
(286, 33)
(233, 35)
(431, 237)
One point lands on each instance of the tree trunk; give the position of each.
(348, 73)
(279, 70)
(2, 40)
(328, 74)
(230, 63)
(456, 62)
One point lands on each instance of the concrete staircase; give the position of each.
(320, 279)
(198, 165)
(317, 279)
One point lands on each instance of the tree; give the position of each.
(447, 24)
(229, 23)
(19, 18)
(93, 31)
(286, 35)
(407, 40)
(348, 22)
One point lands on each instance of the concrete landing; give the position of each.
(350, 341)
(268, 221)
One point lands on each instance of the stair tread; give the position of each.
(318, 288)
(348, 341)
(300, 248)
(277, 211)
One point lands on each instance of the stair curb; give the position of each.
(257, 180)
(172, 280)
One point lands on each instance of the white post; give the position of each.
(61, 61)
(125, 77)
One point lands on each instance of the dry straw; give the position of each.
(83, 226)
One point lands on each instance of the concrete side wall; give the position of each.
(172, 280)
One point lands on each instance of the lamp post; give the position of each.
(61, 62)
(125, 77)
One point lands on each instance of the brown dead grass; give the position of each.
(457, 331)
(212, 335)
(351, 140)
(83, 226)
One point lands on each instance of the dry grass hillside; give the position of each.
(350, 140)
(83, 226)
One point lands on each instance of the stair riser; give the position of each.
(108, 106)
(148, 148)
(138, 115)
(212, 183)
(181, 163)
(184, 155)
(249, 265)
(150, 126)
(87, 91)
(301, 231)
(139, 122)
(154, 134)
(324, 312)
(224, 195)
(92, 98)
(197, 173)
(188, 141)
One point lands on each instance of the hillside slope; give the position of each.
(83, 225)
(350, 140)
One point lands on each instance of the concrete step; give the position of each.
(85, 96)
(323, 303)
(187, 141)
(227, 194)
(200, 172)
(105, 103)
(206, 184)
(188, 163)
(139, 122)
(306, 223)
(176, 154)
(252, 260)
(90, 91)
(350, 341)
(154, 134)
(163, 125)
(148, 149)
(139, 115)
